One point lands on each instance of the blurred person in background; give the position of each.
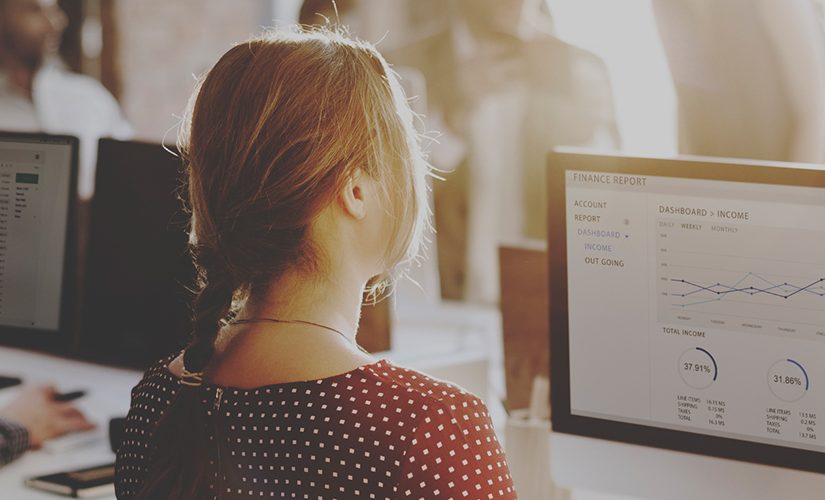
(34, 417)
(511, 90)
(37, 92)
(749, 77)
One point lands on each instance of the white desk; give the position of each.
(108, 396)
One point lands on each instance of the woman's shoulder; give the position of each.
(452, 450)
(411, 386)
(157, 377)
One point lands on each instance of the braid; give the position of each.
(180, 427)
(212, 304)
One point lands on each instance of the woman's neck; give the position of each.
(332, 300)
(262, 353)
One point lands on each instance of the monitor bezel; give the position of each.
(563, 421)
(62, 340)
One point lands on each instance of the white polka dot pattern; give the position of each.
(379, 431)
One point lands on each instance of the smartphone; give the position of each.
(89, 482)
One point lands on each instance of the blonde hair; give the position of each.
(274, 132)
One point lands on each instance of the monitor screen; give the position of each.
(688, 305)
(37, 176)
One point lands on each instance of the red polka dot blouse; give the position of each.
(379, 431)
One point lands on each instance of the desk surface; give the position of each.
(108, 396)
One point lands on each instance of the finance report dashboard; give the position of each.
(697, 304)
(35, 193)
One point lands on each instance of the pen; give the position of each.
(69, 396)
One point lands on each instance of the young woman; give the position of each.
(306, 187)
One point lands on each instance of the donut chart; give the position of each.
(698, 368)
(788, 380)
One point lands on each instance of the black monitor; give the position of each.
(138, 270)
(38, 174)
(687, 305)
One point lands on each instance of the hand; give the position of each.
(36, 410)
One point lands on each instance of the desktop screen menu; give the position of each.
(34, 200)
(698, 305)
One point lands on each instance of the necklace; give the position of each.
(246, 321)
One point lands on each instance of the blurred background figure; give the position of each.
(34, 417)
(500, 82)
(511, 91)
(749, 76)
(38, 93)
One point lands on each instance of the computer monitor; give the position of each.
(135, 306)
(136, 301)
(687, 313)
(38, 173)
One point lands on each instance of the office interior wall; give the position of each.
(165, 45)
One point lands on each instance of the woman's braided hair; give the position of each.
(275, 130)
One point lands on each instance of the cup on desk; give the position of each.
(527, 441)
(117, 432)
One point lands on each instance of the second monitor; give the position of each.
(138, 269)
(688, 314)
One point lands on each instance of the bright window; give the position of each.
(624, 34)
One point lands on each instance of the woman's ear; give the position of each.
(353, 197)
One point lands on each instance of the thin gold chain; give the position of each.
(245, 321)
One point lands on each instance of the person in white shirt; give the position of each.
(510, 90)
(37, 93)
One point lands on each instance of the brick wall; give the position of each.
(163, 43)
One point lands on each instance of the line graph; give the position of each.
(750, 279)
(720, 291)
